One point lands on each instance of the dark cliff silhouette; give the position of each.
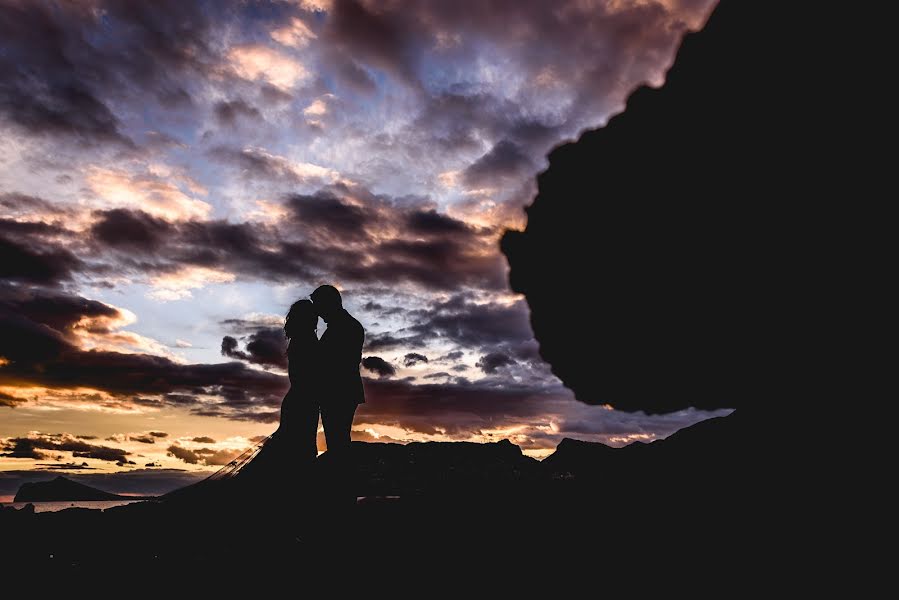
(660, 237)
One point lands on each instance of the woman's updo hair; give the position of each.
(302, 316)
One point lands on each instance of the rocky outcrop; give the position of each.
(652, 254)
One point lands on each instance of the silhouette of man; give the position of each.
(340, 349)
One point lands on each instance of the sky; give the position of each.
(173, 175)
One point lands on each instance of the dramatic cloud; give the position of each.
(413, 358)
(228, 112)
(59, 73)
(489, 363)
(36, 443)
(328, 233)
(487, 326)
(42, 349)
(505, 160)
(128, 230)
(204, 456)
(256, 163)
(143, 439)
(260, 62)
(263, 347)
(176, 174)
(33, 261)
(184, 454)
(151, 193)
(378, 365)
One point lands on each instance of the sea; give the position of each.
(55, 506)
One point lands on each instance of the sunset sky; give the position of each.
(173, 175)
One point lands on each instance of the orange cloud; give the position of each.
(295, 34)
(178, 285)
(150, 193)
(255, 62)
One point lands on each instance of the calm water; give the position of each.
(54, 506)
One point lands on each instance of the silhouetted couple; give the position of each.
(324, 376)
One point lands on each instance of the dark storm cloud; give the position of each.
(579, 60)
(350, 73)
(57, 310)
(378, 365)
(130, 230)
(430, 222)
(159, 434)
(327, 233)
(245, 326)
(235, 392)
(184, 454)
(9, 401)
(23, 204)
(34, 445)
(14, 228)
(32, 261)
(64, 467)
(385, 341)
(472, 324)
(206, 456)
(461, 321)
(413, 358)
(22, 448)
(229, 348)
(35, 338)
(455, 406)
(255, 163)
(506, 160)
(60, 73)
(326, 212)
(203, 440)
(439, 375)
(374, 36)
(229, 111)
(143, 439)
(266, 346)
(490, 363)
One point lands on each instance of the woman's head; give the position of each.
(302, 316)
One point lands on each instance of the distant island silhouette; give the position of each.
(61, 489)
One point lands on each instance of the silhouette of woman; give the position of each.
(298, 428)
(293, 444)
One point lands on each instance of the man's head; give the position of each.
(327, 301)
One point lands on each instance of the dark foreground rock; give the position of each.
(422, 508)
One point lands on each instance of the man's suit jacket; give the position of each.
(341, 352)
